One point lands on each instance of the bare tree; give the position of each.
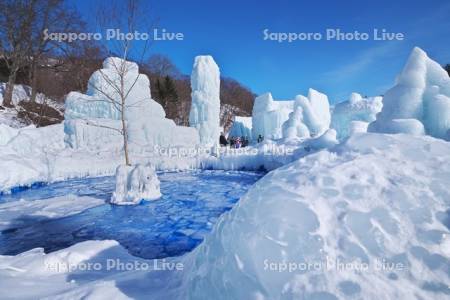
(129, 17)
(16, 23)
(81, 61)
(51, 16)
(22, 40)
(161, 66)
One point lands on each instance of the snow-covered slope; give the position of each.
(378, 197)
(419, 103)
(8, 116)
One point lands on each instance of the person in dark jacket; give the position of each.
(223, 140)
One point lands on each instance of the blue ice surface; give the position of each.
(171, 226)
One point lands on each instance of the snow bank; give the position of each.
(268, 116)
(326, 141)
(21, 92)
(57, 272)
(7, 133)
(419, 102)
(205, 107)
(269, 154)
(134, 184)
(357, 109)
(89, 117)
(310, 117)
(378, 198)
(27, 154)
(242, 126)
(40, 155)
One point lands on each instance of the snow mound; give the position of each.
(205, 107)
(26, 153)
(268, 116)
(379, 204)
(7, 133)
(21, 92)
(242, 126)
(421, 95)
(31, 140)
(325, 141)
(356, 108)
(135, 183)
(92, 120)
(310, 117)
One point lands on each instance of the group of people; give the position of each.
(234, 141)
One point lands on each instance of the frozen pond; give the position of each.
(175, 224)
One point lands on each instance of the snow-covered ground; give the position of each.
(42, 156)
(385, 212)
(8, 116)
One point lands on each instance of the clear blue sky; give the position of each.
(232, 32)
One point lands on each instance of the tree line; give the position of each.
(56, 68)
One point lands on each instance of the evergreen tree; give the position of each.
(170, 90)
(447, 68)
(160, 92)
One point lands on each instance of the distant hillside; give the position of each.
(57, 77)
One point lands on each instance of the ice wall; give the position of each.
(268, 116)
(419, 102)
(89, 117)
(356, 108)
(310, 117)
(205, 108)
(242, 126)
